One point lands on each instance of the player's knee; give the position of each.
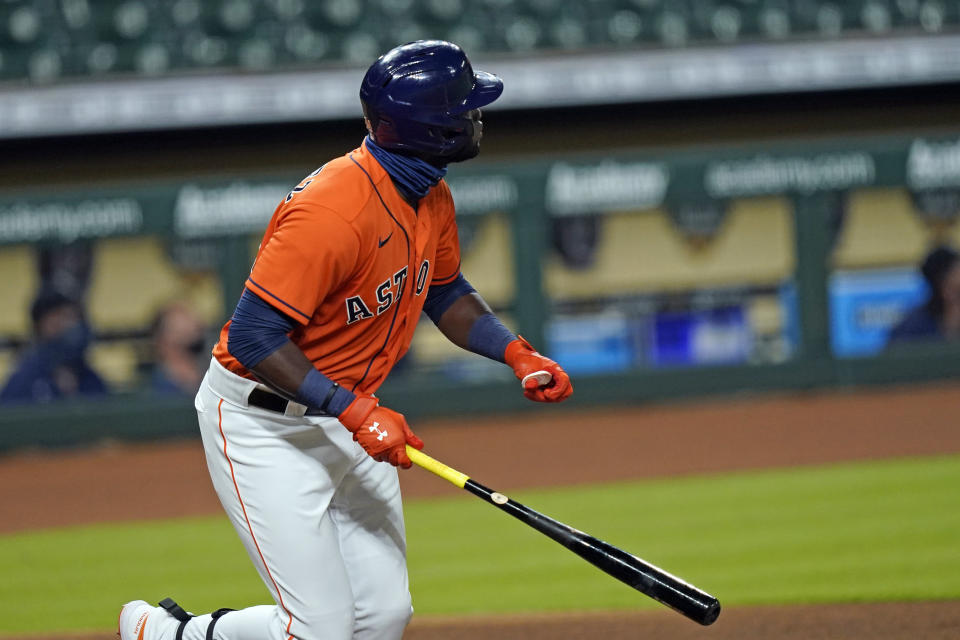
(384, 624)
(323, 625)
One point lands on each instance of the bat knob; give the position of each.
(541, 377)
(710, 614)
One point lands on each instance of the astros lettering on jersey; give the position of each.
(350, 261)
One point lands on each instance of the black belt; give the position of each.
(270, 401)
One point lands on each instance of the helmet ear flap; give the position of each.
(369, 115)
(379, 124)
(383, 131)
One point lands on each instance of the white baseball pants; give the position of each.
(321, 520)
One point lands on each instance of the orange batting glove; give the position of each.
(381, 432)
(543, 379)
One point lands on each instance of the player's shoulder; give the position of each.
(443, 188)
(442, 193)
(338, 188)
(440, 199)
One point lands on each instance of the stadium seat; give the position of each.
(233, 17)
(880, 228)
(133, 277)
(21, 23)
(642, 252)
(203, 292)
(304, 43)
(152, 58)
(488, 261)
(116, 362)
(44, 41)
(18, 286)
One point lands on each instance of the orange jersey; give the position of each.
(350, 261)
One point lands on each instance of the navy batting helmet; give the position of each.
(418, 97)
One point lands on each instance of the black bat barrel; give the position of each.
(629, 569)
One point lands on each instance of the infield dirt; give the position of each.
(117, 482)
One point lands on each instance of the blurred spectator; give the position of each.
(55, 365)
(180, 352)
(939, 316)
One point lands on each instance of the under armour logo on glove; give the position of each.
(364, 418)
(380, 434)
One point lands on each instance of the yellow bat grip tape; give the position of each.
(449, 474)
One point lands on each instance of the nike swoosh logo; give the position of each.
(385, 240)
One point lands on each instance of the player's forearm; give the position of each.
(460, 317)
(284, 370)
(290, 373)
(470, 324)
(258, 340)
(460, 313)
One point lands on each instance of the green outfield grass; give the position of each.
(875, 531)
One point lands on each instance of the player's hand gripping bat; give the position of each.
(642, 576)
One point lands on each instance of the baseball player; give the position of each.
(295, 439)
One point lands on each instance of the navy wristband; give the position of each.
(488, 337)
(317, 391)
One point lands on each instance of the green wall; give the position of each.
(227, 211)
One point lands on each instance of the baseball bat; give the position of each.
(646, 578)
